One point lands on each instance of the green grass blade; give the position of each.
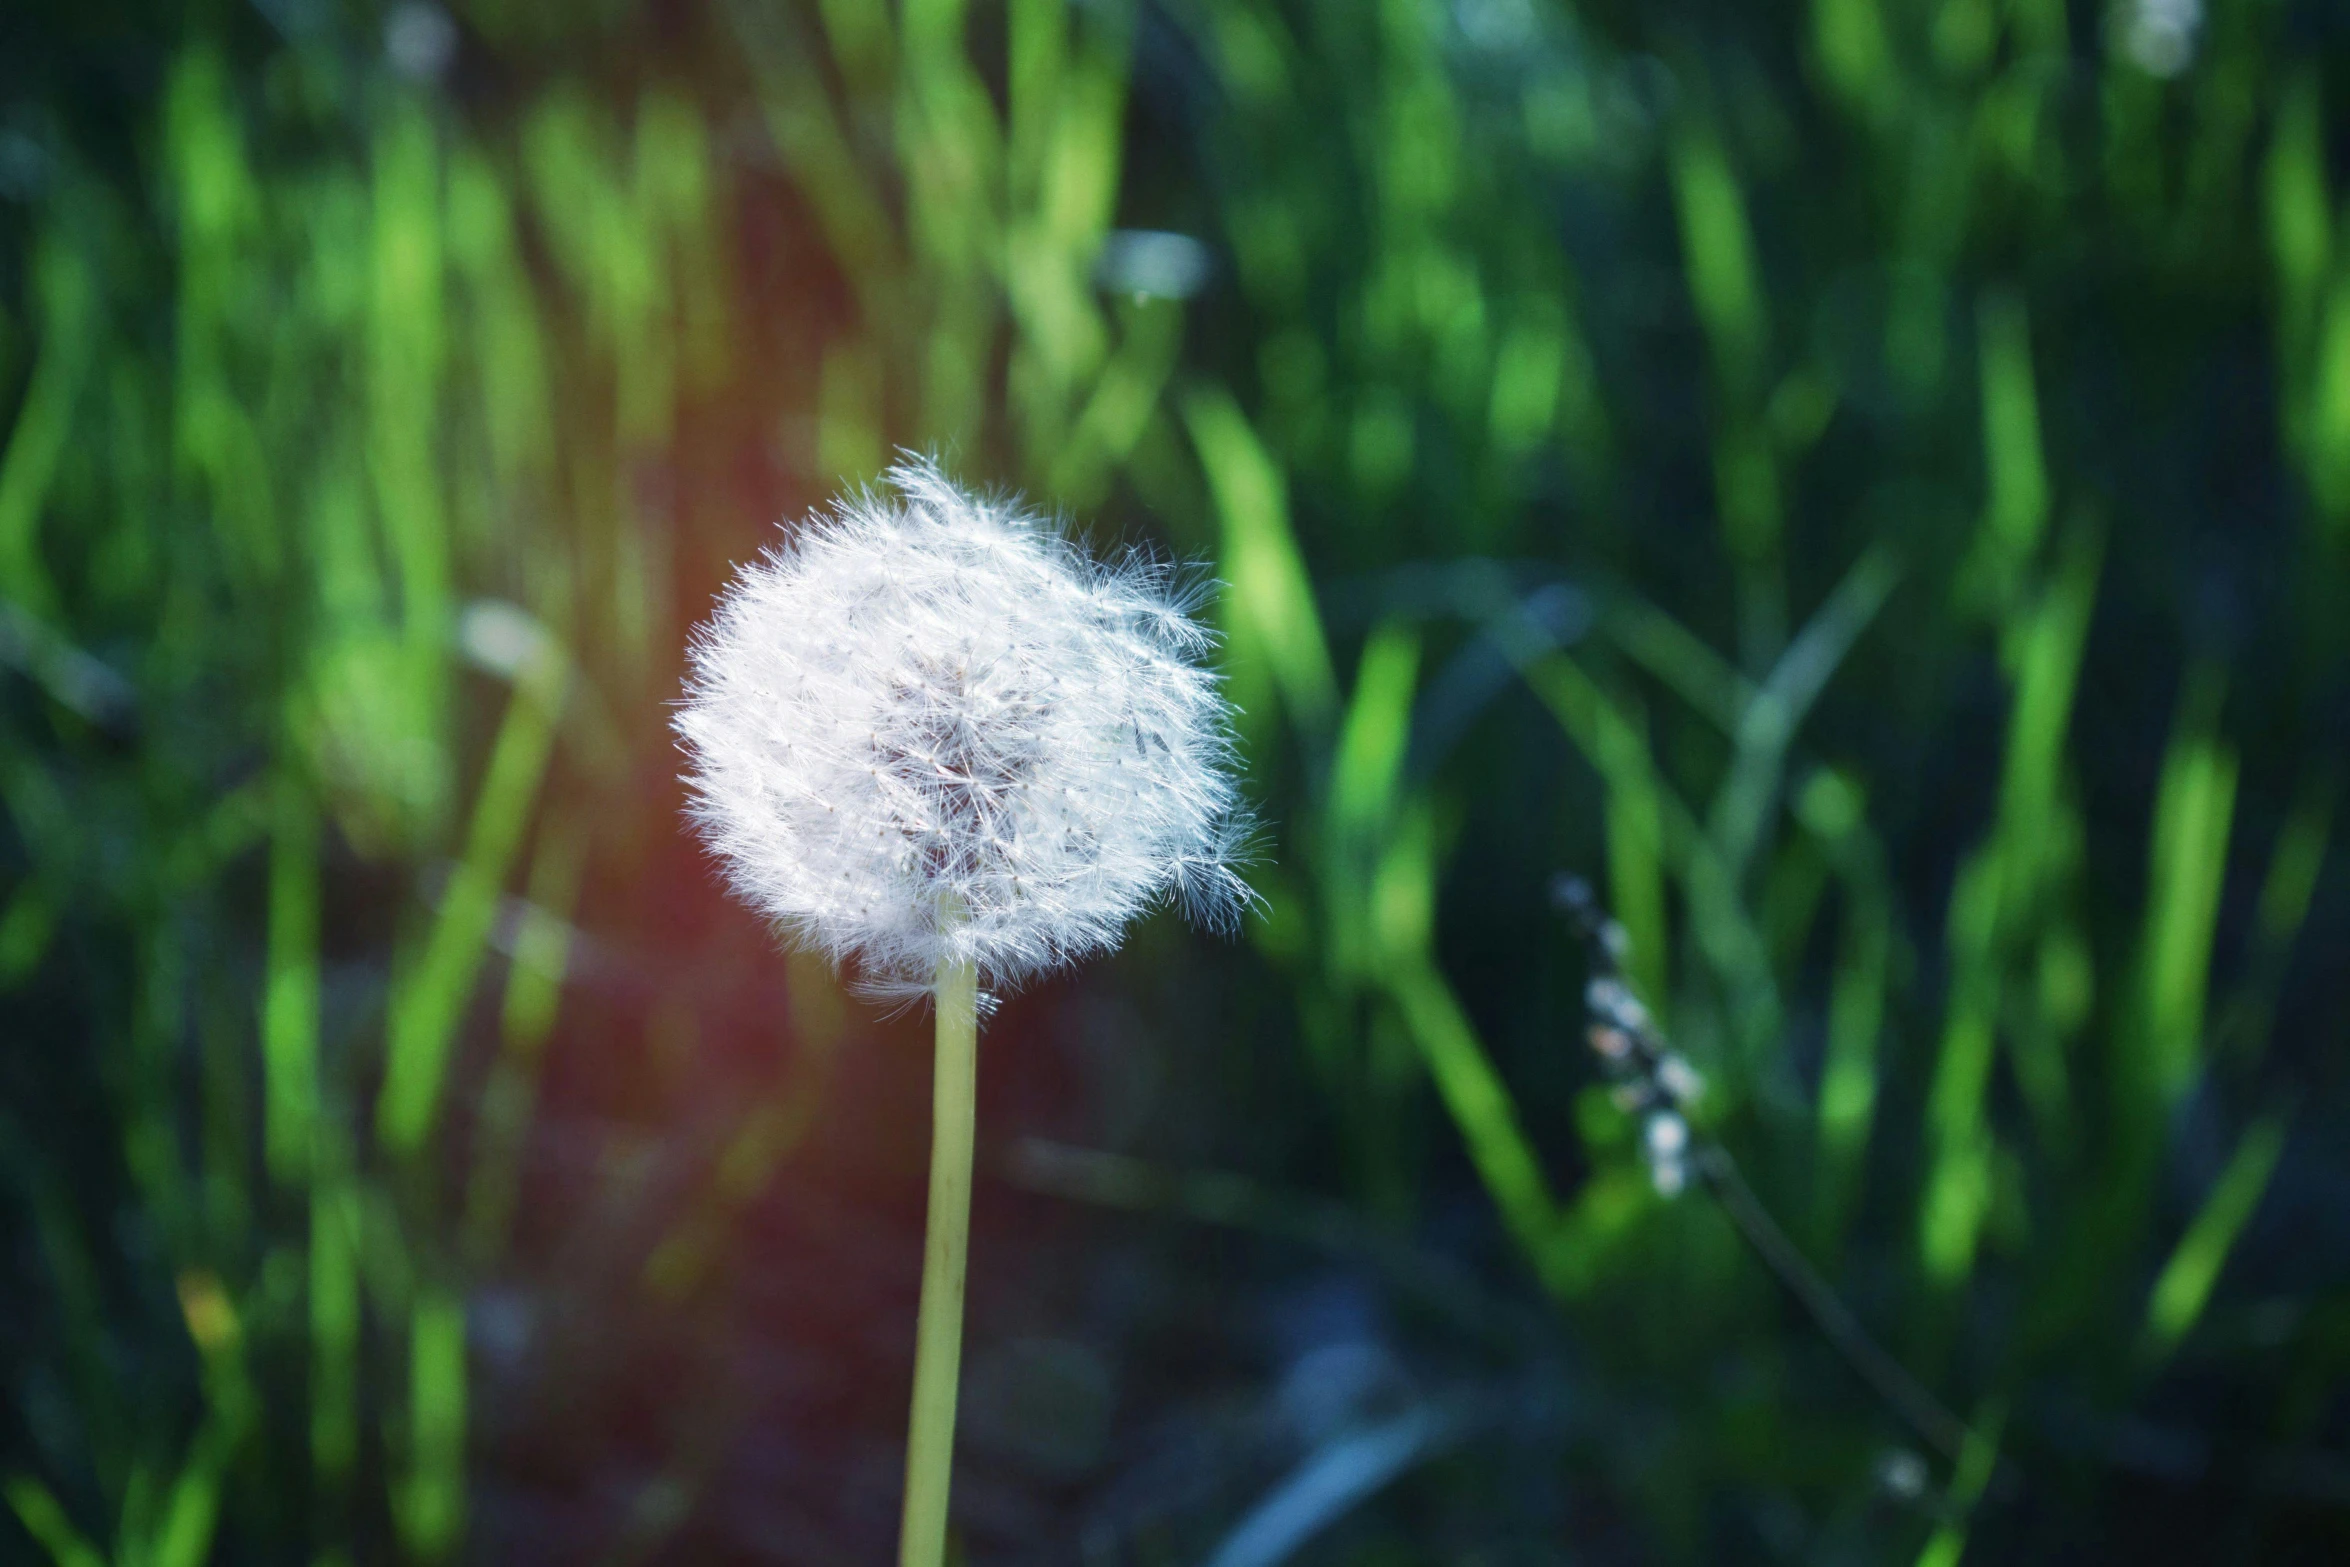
(1529, 369)
(1709, 683)
(37, 440)
(1958, 1142)
(290, 998)
(334, 1340)
(849, 447)
(1586, 713)
(540, 957)
(1270, 615)
(1848, 1073)
(1125, 396)
(1482, 1111)
(1946, 1547)
(763, 1141)
(679, 197)
(2183, 1288)
(2015, 512)
(26, 926)
(863, 41)
(1849, 39)
(406, 349)
(430, 998)
(44, 1518)
(1636, 852)
(1717, 246)
(2045, 651)
(2242, 1027)
(2298, 861)
(1767, 725)
(817, 150)
(1373, 738)
(1726, 934)
(512, 349)
(2300, 236)
(2328, 421)
(432, 1498)
(191, 1512)
(2193, 813)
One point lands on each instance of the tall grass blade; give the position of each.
(1636, 852)
(44, 1518)
(540, 957)
(1946, 1547)
(432, 1498)
(430, 998)
(290, 998)
(37, 439)
(335, 1243)
(1374, 736)
(1767, 724)
(2015, 511)
(1484, 1112)
(191, 1513)
(2194, 812)
(2183, 1288)
(1271, 620)
(1849, 1072)
(1958, 1140)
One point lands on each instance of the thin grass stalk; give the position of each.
(1650, 1077)
(938, 1333)
(1904, 1394)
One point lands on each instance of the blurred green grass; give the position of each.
(1870, 478)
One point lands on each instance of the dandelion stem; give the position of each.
(938, 1342)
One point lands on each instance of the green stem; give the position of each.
(938, 1340)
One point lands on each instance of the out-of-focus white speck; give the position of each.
(1153, 264)
(503, 638)
(2159, 35)
(419, 41)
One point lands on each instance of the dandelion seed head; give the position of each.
(928, 726)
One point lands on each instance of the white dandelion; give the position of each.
(930, 728)
(934, 740)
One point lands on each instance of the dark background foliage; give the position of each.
(1866, 484)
